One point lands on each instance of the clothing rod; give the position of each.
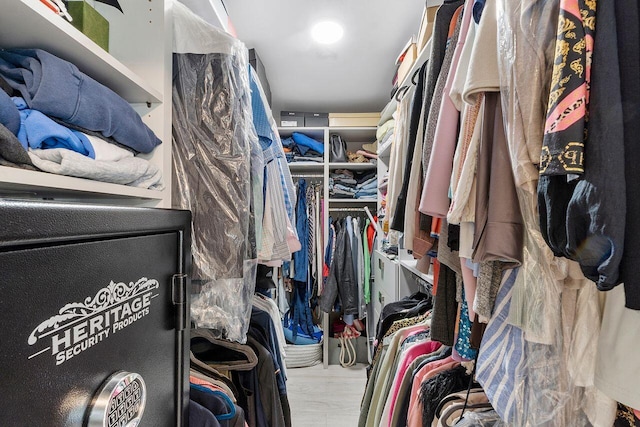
(345, 209)
(374, 222)
(307, 175)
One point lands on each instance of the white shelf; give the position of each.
(355, 134)
(302, 166)
(410, 264)
(385, 150)
(292, 129)
(352, 128)
(43, 184)
(28, 24)
(353, 201)
(352, 166)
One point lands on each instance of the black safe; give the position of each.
(93, 315)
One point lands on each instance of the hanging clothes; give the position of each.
(212, 165)
(342, 281)
(301, 257)
(277, 238)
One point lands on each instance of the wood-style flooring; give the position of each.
(326, 397)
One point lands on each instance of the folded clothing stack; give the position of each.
(48, 104)
(302, 148)
(385, 134)
(346, 184)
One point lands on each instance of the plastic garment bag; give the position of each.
(552, 318)
(481, 419)
(213, 142)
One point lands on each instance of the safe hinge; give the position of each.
(179, 299)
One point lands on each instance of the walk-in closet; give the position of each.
(286, 213)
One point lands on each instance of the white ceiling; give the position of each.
(353, 75)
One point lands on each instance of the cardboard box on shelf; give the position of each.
(409, 58)
(353, 119)
(426, 27)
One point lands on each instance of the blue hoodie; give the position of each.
(39, 131)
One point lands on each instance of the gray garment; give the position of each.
(6, 88)
(438, 50)
(12, 151)
(499, 231)
(459, 288)
(487, 287)
(359, 257)
(269, 394)
(4, 162)
(368, 392)
(447, 256)
(132, 171)
(445, 307)
(9, 113)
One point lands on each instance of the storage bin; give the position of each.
(90, 22)
(316, 119)
(303, 356)
(291, 119)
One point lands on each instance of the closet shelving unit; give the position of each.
(355, 137)
(137, 67)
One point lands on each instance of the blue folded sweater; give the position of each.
(58, 89)
(305, 141)
(39, 131)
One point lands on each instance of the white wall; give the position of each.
(212, 11)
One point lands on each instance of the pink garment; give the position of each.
(367, 154)
(207, 384)
(438, 174)
(430, 370)
(408, 357)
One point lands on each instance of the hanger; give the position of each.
(227, 401)
(401, 92)
(418, 71)
(205, 345)
(415, 74)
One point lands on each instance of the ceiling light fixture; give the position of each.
(327, 32)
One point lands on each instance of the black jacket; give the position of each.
(342, 277)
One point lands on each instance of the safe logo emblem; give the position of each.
(79, 326)
(120, 402)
